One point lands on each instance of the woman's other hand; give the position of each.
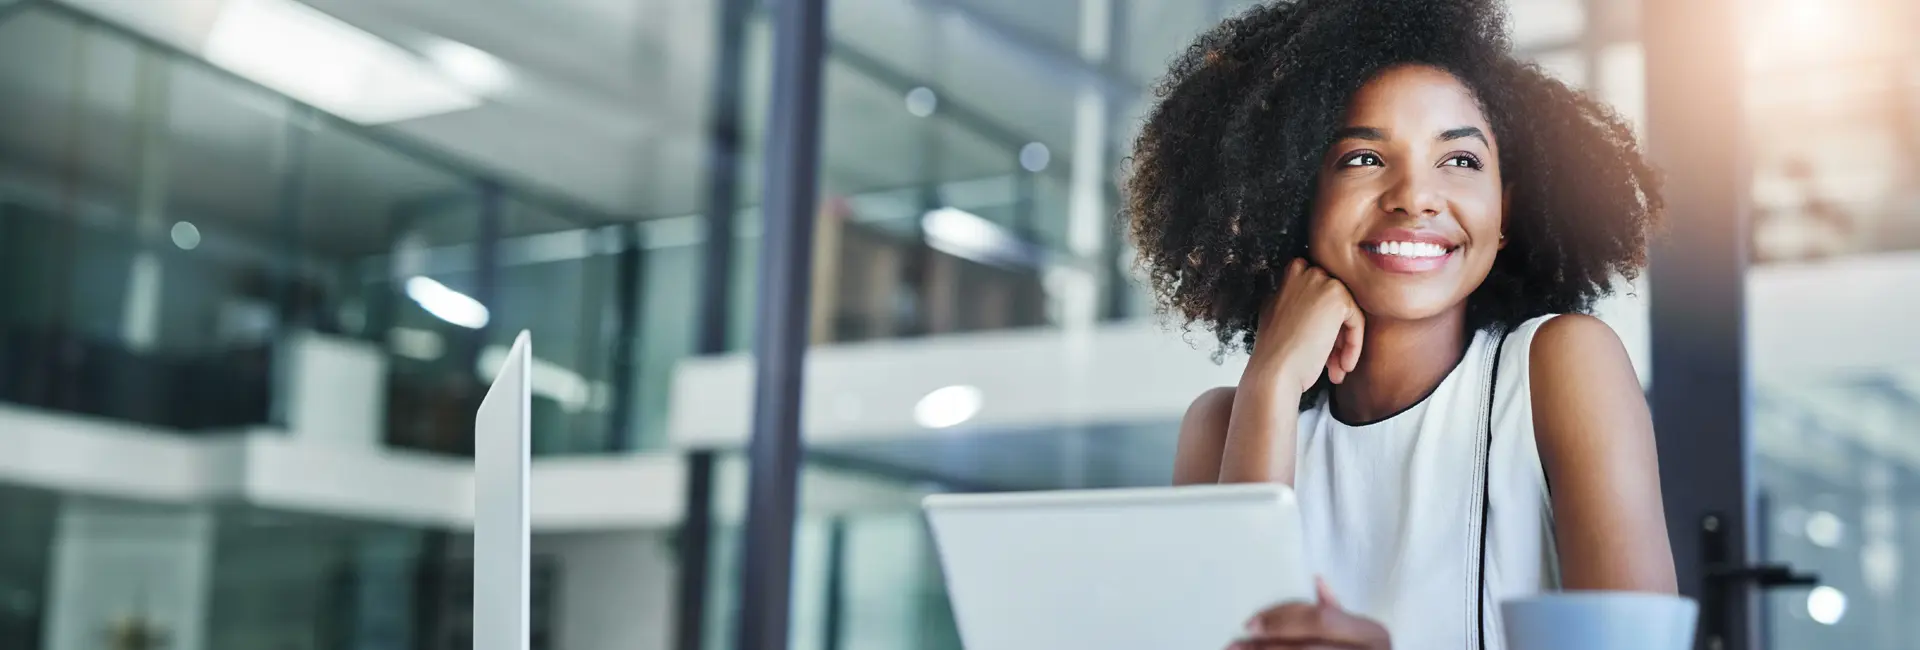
(1313, 626)
(1312, 324)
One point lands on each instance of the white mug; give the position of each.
(1599, 620)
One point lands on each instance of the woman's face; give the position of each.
(1410, 206)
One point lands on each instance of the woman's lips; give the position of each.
(1408, 256)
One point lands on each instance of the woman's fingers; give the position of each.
(1295, 267)
(1312, 625)
(1336, 367)
(1324, 593)
(1277, 644)
(1352, 336)
(1291, 619)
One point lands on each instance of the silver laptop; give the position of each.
(1151, 568)
(502, 447)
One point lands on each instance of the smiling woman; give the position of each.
(1387, 211)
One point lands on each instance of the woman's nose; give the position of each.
(1412, 195)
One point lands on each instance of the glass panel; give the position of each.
(864, 570)
(26, 561)
(85, 571)
(1835, 227)
(557, 281)
(401, 238)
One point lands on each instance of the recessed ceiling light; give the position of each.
(921, 101)
(323, 61)
(185, 235)
(1034, 157)
(472, 67)
(947, 407)
(446, 304)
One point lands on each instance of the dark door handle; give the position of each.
(1728, 582)
(1764, 576)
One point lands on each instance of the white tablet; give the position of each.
(502, 445)
(1152, 568)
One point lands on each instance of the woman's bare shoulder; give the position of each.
(1203, 435)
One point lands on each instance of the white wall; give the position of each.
(1840, 316)
(336, 390)
(316, 474)
(616, 589)
(117, 561)
(1038, 377)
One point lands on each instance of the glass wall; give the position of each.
(94, 572)
(1836, 371)
(865, 575)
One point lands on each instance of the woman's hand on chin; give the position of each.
(1310, 325)
(1315, 626)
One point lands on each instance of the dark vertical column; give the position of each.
(1696, 133)
(832, 633)
(284, 281)
(780, 340)
(723, 173)
(486, 290)
(1117, 287)
(724, 142)
(293, 157)
(432, 571)
(695, 552)
(629, 267)
(486, 246)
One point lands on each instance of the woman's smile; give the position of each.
(1409, 251)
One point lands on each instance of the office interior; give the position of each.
(259, 259)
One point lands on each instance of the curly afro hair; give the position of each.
(1220, 188)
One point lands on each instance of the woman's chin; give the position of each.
(1405, 305)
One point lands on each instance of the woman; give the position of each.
(1386, 210)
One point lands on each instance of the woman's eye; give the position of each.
(1362, 160)
(1464, 160)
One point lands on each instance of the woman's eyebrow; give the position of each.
(1464, 132)
(1360, 133)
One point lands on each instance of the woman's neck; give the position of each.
(1401, 362)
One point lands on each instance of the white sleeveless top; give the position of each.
(1392, 508)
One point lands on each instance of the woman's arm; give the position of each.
(1227, 438)
(1203, 436)
(1246, 434)
(1261, 429)
(1596, 442)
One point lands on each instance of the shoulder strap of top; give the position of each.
(1477, 635)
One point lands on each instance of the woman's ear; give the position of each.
(1506, 199)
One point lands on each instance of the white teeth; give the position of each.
(1410, 249)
